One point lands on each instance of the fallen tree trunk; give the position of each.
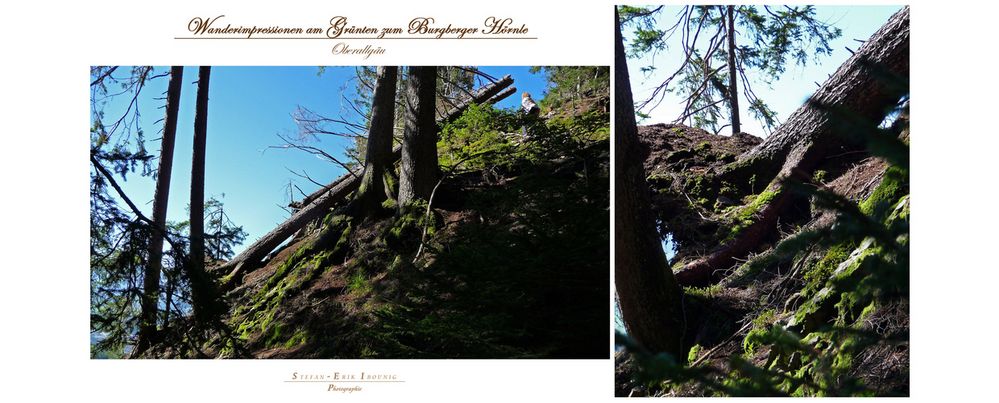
(316, 205)
(810, 135)
(864, 86)
(489, 94)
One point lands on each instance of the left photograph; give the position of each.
(349, 212)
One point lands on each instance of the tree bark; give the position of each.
(733, 77)
(317, 204)
(202, 298)
(811, 134)
(649, 296)
(419, 169)
(855, 87)
(371, 192)
(151, 279)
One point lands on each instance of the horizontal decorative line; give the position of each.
(352, 38)
(342, 381)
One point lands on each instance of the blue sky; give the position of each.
(248, 107)
(785, 95)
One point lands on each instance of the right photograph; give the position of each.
(761, 200)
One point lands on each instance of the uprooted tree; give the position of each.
(792, 252)
(811, 135)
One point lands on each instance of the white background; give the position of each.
(47, 49)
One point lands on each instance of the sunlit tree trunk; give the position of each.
(378, 158)
(419, 170)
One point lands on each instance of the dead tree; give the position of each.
(419, 170)
(202, 290)
(649, 296)
(319, 203)
(733, 76)
(861, 86)
(151, 278)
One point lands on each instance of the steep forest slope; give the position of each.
(820, 307)
(509, 260)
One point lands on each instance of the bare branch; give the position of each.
(103, 76)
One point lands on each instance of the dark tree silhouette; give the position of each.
(151, 279)
(649, 296)
(202, 289)
(733, 78)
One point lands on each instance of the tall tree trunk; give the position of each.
(201, 288)
(865, 87)
(378, 158)
(649, 296)
(733, 75)
(151, 280)
(419, 171)
(317, 204)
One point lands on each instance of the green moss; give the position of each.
(299, 338)
(701, 186)
(819, 176)
(694, 351)
(893, 186)
(746, 216)
(762, 325)
(389, 204)
(842, 291)
(301, 268)
(705, 292)
(816, 276)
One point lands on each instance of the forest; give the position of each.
(761, 264)
(455, 228)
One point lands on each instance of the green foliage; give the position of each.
(477, 139)
(761, 327)
(770, 38)
(486, 138)
(575, 87)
